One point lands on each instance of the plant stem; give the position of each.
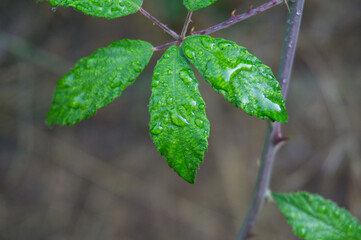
(237, 18)
(159, 23)
(186, 24)
(165, 45)
(274, 137)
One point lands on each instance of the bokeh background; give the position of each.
(103, 178)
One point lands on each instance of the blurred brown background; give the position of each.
(103, 178)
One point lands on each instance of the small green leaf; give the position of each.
(97, 80)
(194, 5)
(314, 218)
(102, 8)
(178, 126)
(243, 79)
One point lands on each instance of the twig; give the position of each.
(237, 18)
(274, 136)
(159, 23)
(186, 24)
(165, 45)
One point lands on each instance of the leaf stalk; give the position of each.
(159, 23)
(238, 18)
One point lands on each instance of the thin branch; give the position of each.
(274, 137)
(237, 18)
(186, 24)
(159, 23)
(158, 48)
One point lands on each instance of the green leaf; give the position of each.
(102, 8)
(97, 80)
(193, 5)
(314, 218)
(243, 79)
(178, 126)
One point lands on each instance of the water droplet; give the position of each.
(178, 119)
(116, 82)
(90, 63)
(322, 209)
(224, 45)
(166, 56)
(157, 129)
(67, 81)
(155, 83)
(302, 231)
(199, 123)
(78, 101)
(202, 106)
(170, 71)
(350, 227)
(337, 213)
(299, 12)
(207, 44)
(184, 75)
(170, 100)
(53, 9)
(189, 52)
(137, 66)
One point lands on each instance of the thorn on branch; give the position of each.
(233, 14)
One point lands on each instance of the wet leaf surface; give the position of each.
(238, 75)
(178, 126)
(97, 80)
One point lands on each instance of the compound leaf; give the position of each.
(97, 80)
(178, 126)
(102, 8)
(314, 218)
(193, 5)
(242, 79)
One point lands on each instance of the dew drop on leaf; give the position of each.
(155, 83)
(156, 130)
(189, 52)
(322, 209)
(137, 66)
(302, 231)
(202, 106)
(67, 81)
(90, 63)
(207, 44)
(223, 45)
(199, 123)
(170, 100)
(184, 75)
(78, 101)
(178, 119)
(116, 82)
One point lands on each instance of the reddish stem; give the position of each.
(237, 18)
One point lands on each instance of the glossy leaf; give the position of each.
(193, 5)
(242, 79)
(178, 125)
(102, 8)
(314, 218)
(97, 80)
